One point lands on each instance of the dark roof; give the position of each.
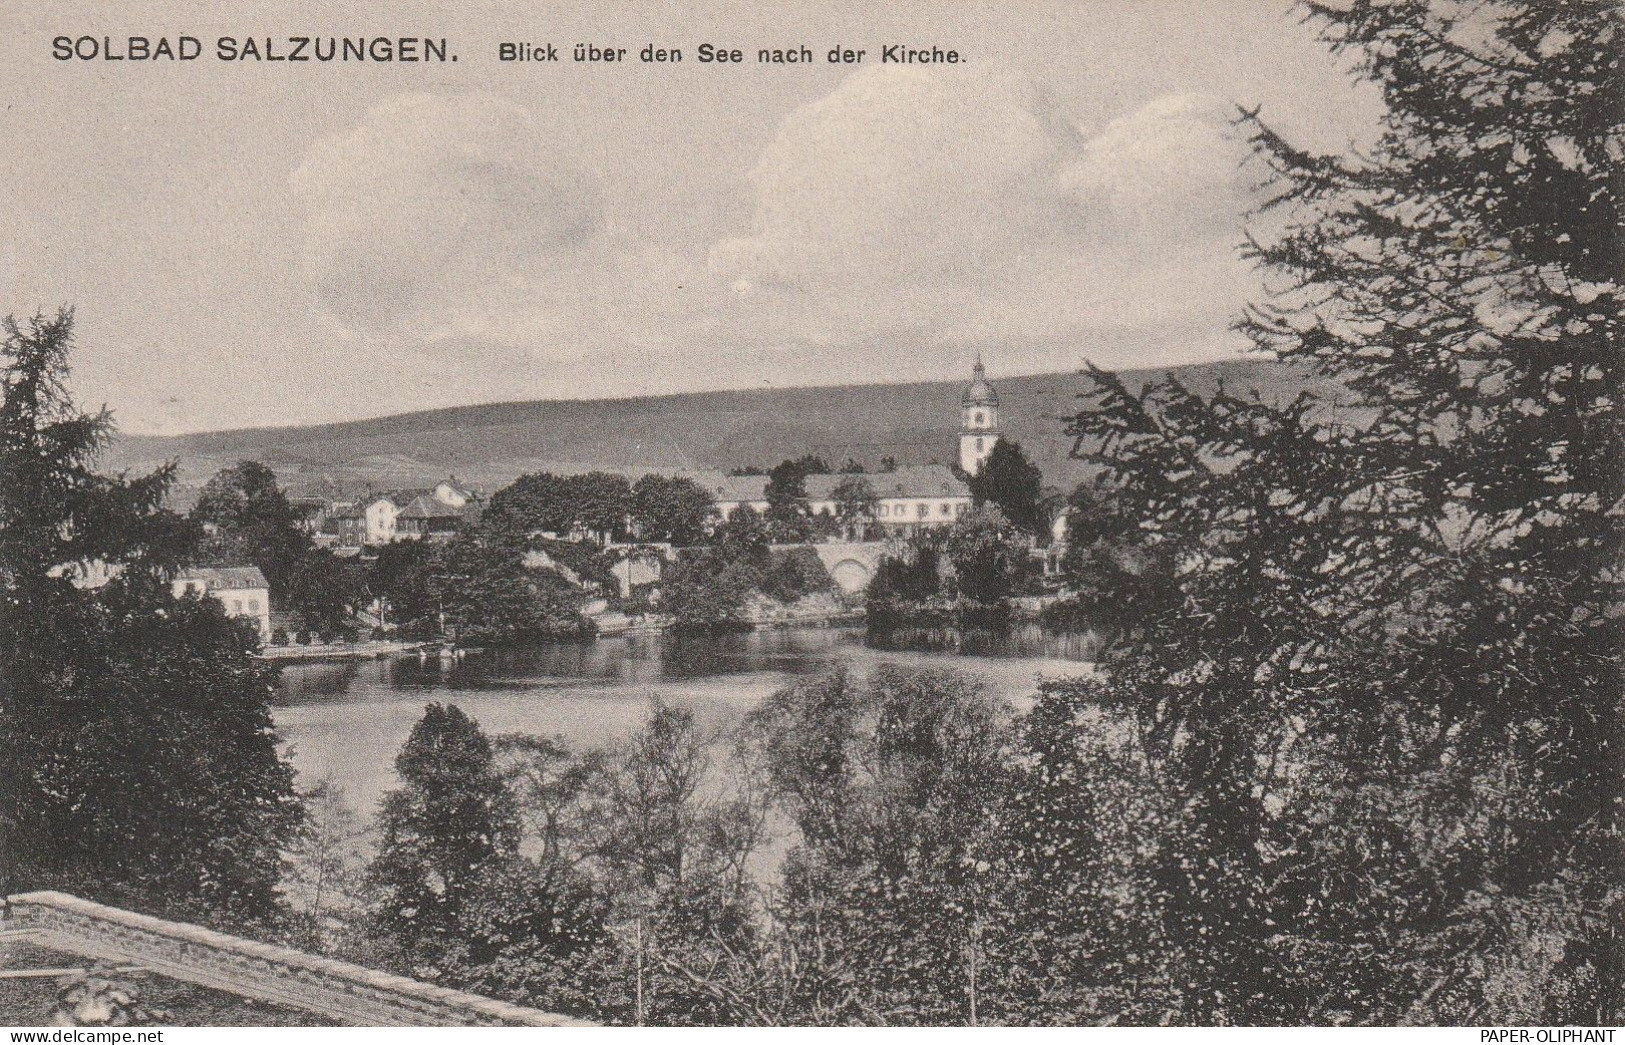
(426, 507)
(214, 577)
(402, 498)
(921, 480)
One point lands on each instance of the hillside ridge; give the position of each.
(489, 444)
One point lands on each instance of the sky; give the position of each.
(284, 243)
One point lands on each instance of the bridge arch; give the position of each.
(852, 564)
(851, 575)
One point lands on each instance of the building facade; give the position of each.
(242, 590)
(907, 498)
(438, 512)
(428, 519)
(380, 513)
(346, 524)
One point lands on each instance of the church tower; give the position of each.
(978, 421)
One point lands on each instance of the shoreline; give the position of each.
(371, 650)
(764, 622)
(609, 628)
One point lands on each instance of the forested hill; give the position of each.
(489, 445)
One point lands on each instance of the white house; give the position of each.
(908, 498)
(242, 590)
(377, 519)
(380, 513)
(449, 492)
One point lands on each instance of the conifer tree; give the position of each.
(140, 764)
(1396, 632)
(451, 823)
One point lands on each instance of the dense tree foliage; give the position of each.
(141, 768)
(632, 883)
(789, 515)
(449, 824)
(249, 521)
(855, 506)
(672, 509)
(1010, 482)
(980, 560)
(484, 591)
(914, 576)
(744, 532)
(707, 589)
(400, 577)
(948, 863)
(1396, 637)
(892, 787)
(592, 504)
(989, 559)
(1112, 573)
(787, 506)
(489, 585)
(325, 591)
(246, 520)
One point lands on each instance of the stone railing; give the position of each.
(344, 993)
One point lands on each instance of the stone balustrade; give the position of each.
(338, 991)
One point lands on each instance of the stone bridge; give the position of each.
(853, 564)
(343, 993)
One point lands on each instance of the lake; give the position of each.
(347, 720)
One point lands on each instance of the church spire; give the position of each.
(979, 392)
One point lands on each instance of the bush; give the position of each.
(279, 636)
(912, 577)
(704, 593)
(491, 597)
(795, 574)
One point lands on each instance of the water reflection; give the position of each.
(1013, 640)
(348, 720)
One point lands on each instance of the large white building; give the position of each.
(907, 498)
(242, 590)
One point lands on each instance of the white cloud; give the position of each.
(898, 173)
(1171, 168)
(970, 211)
(906, 207)
(435, 214)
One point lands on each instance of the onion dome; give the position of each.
(979, 392)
